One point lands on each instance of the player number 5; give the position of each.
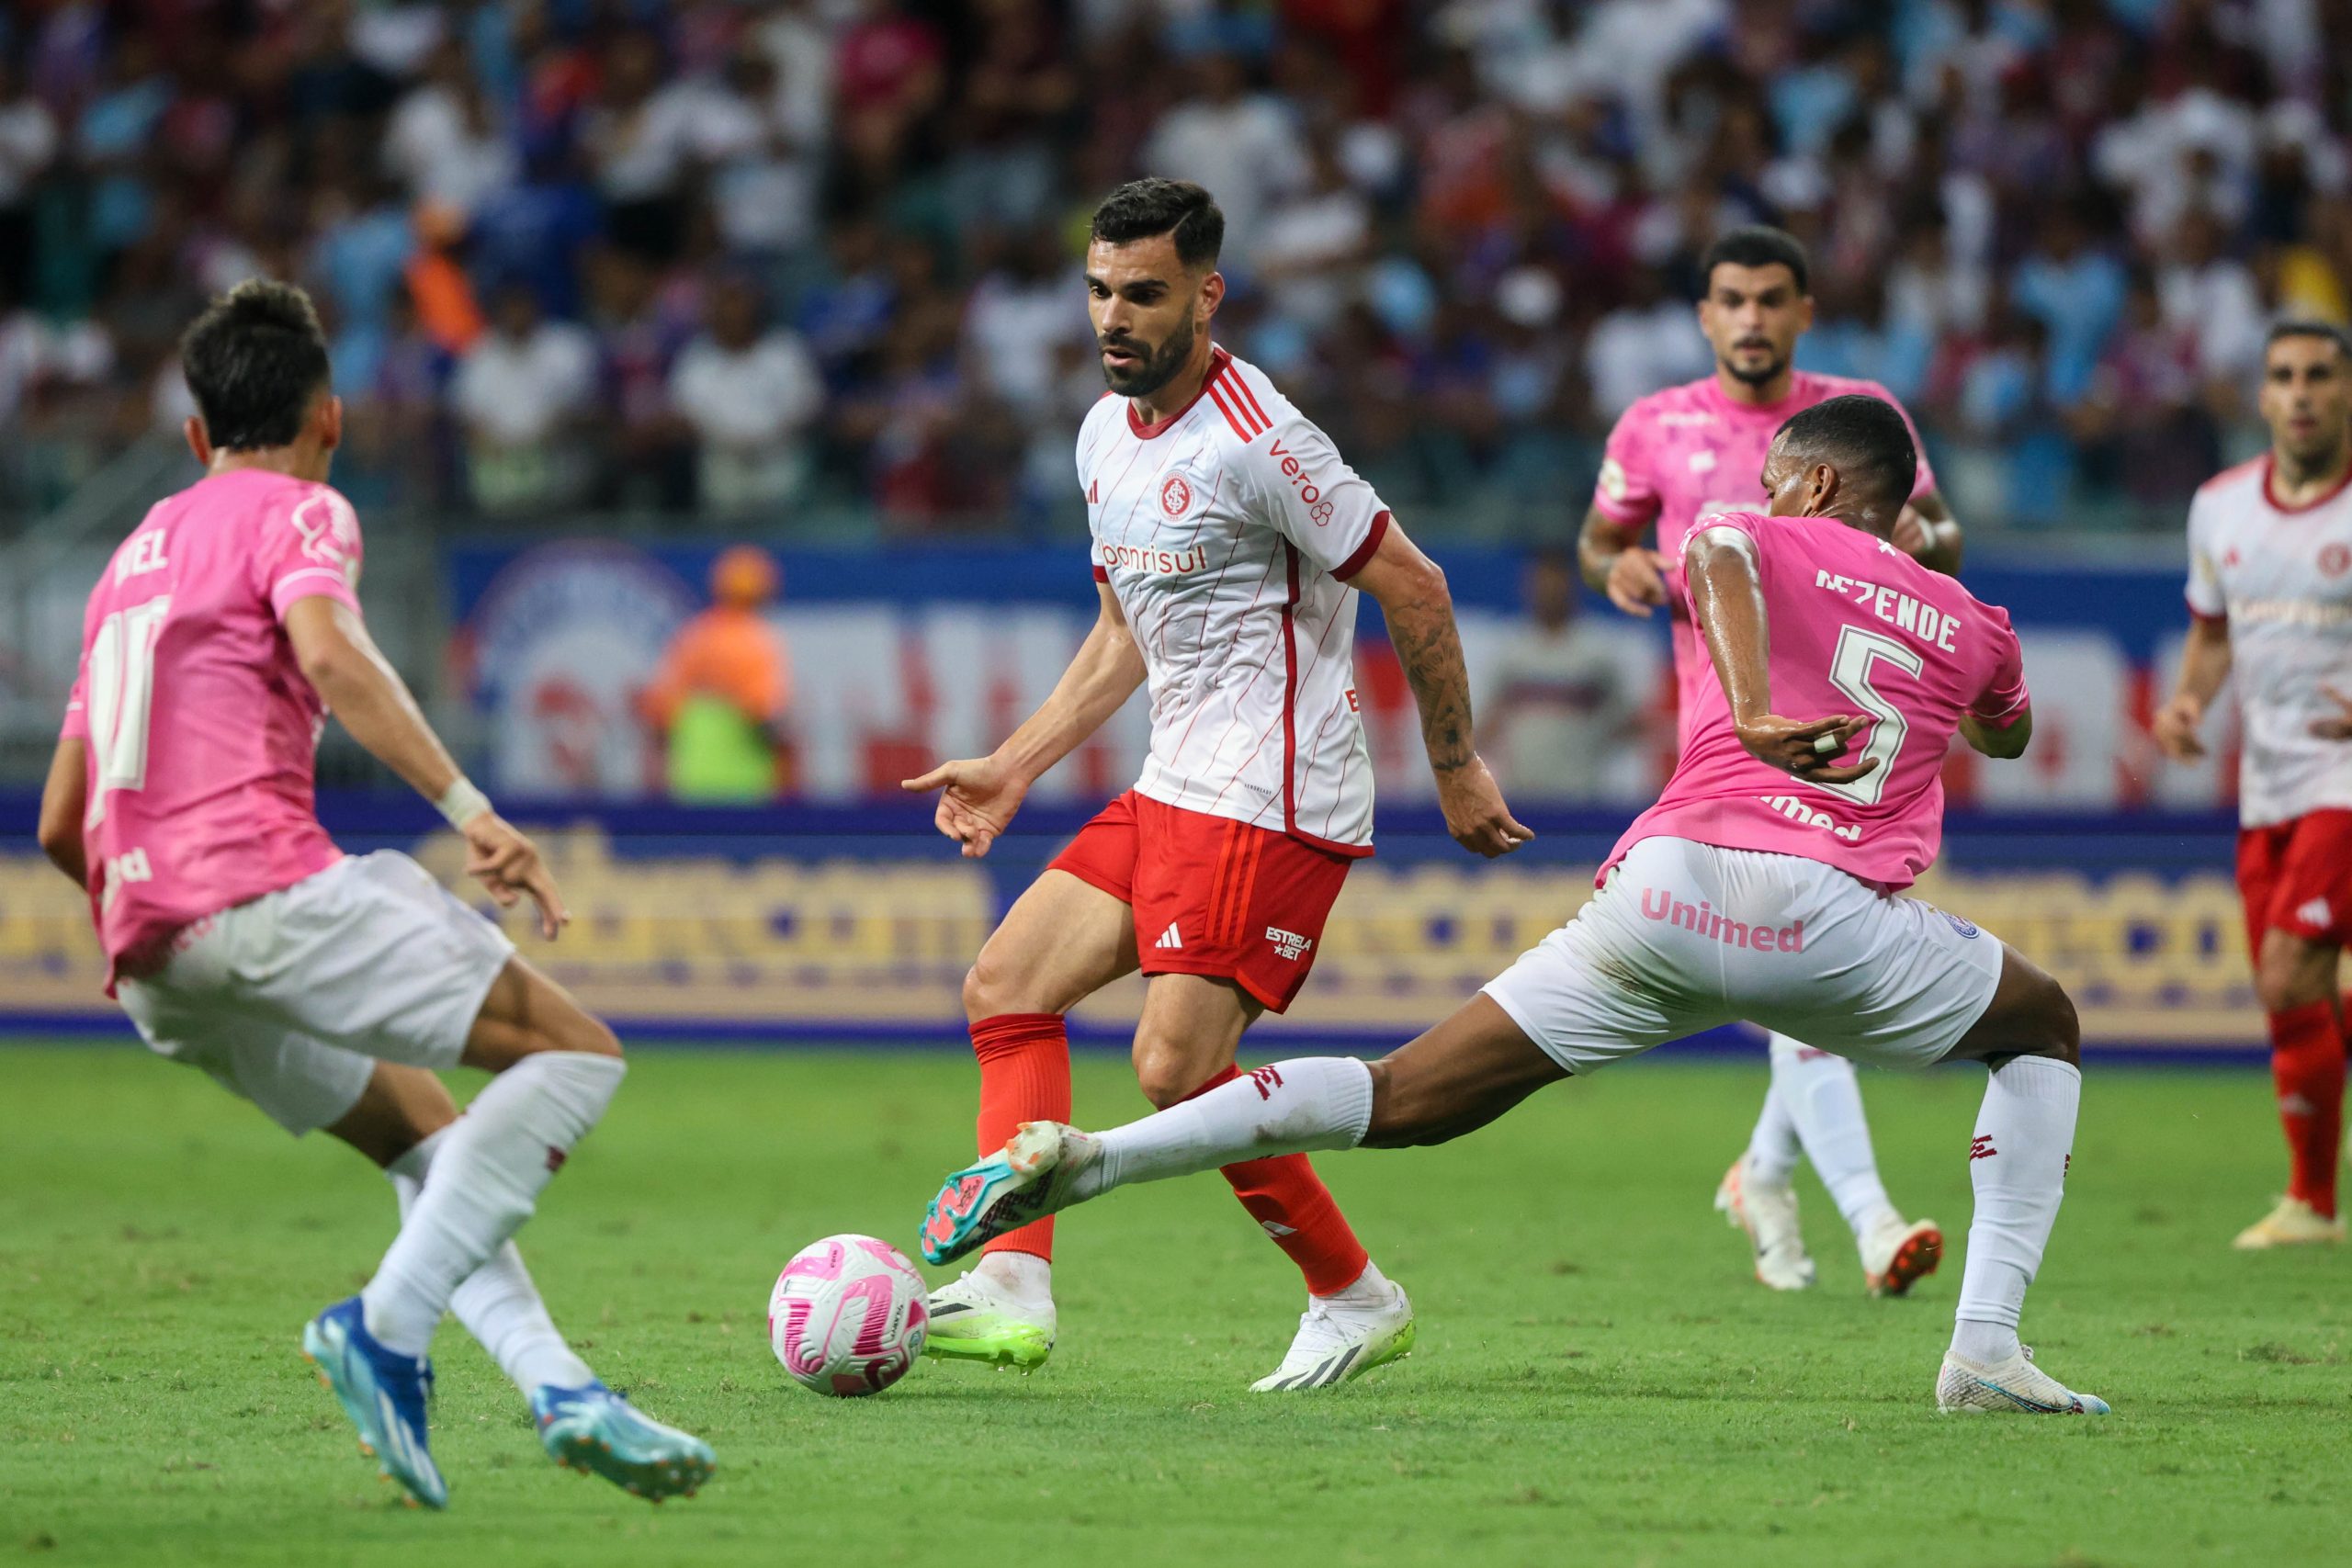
(119, 692)
(1849, 671)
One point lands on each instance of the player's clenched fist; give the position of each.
(1808, 750)
(502, 859)
(978, 798)
(1475, 812)
(2176, 728)
(1637, 579)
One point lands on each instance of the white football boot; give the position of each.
(972, 1319)
(1340, 1340)
(2014, 1387)
(1896, 1255)
(2292, 1223)
(1768, 1214)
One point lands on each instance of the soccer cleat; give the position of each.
(2292, 1223)
(383, 1391)
(1339, 1341)
(972, 1320)
(1897, 1256)
(2014, 1387)
(1028, 1179)
(595, 1431)
(1768, 1214)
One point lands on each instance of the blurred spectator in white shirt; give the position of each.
(443, 142)
(1561, 702)
(1019, 318)
(753, 394)
(1647, 342)
(521, 391)
(2208, 292)
(1242, 146)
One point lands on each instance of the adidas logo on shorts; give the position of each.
(1169, 937)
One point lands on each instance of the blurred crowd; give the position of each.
(813, 262)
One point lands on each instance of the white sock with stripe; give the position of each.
(1295, 1107)
(497, 1304)
(2016, 1163)
(1824, 1101)
(489, 1172)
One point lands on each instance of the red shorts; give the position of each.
(2297, 877)
(1211, 896)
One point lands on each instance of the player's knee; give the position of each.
(585, 1033)
(993, 986)
(2286, 977)
(1166, 1074)
(1406, 1114)
(2054, 1029)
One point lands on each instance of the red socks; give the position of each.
(2307, 1048)
(1285, 1197)
(1024, 1077)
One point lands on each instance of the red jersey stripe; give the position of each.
(1233, 378)
(1240, 428)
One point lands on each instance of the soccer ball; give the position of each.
(848, 1315)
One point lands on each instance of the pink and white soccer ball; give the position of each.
(849, 1315)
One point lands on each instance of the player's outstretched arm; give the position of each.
(2204, 665)
(64, 801)
(1615, 561)
(1728, 599)
(361, 689)
(1411, 592)
(1929, 534)
(979, 795)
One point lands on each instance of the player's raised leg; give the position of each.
(1825, 1100)
(1063, 939)
(2016, 1164)
(401, 1122)
(1757, 1195)
(1356, 1318)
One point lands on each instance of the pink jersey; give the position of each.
(1689, 451)
(202, 732)
(1856, 627)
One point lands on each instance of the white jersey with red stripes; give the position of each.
(2282, 578)
(1229, 531)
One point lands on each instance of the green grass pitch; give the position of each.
(1598, 1379)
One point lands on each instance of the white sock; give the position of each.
(1025, 1276)
(1296, 1107)
(1826, 1102)
(1370, 1287)
(497, 1303)
(2018, 1166)
(489, 1172)
(1772, 1147)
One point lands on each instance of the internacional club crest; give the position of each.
(1175, 495)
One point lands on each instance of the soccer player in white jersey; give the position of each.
(1230, 545)
(1764, 885)
(2270, 605)
(327, 989)
(1674, 457)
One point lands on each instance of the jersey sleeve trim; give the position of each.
(2207, 618)
(1238, 403)
(310, 582)
(1365, 551)
(1100, 575)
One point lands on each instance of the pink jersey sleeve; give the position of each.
(77, 709)
(2005, 694)
(308, 547)
(1625, 493)
(1313, 498)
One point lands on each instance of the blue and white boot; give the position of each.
(383, 1391)
(595, 1431)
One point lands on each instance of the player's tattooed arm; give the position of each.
(2204, 665)
(979, 795)
(1929, 534)
(1615, 561)
(1411, 591)
(64, 801)
(1727, 601)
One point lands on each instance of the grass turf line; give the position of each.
(1598, 1379)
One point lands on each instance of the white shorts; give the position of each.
(1687, 936)
(291, 1000)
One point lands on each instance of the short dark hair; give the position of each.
(2306, 328)
(254, 360)
(1864, 438)
(1756, 244)
(1142, 208)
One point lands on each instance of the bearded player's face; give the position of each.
(2306, 399)
(1147, 308)
(1753, 317)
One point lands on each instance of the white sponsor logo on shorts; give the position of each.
(1289, 945)
(1796, 811)
(1659, 904)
